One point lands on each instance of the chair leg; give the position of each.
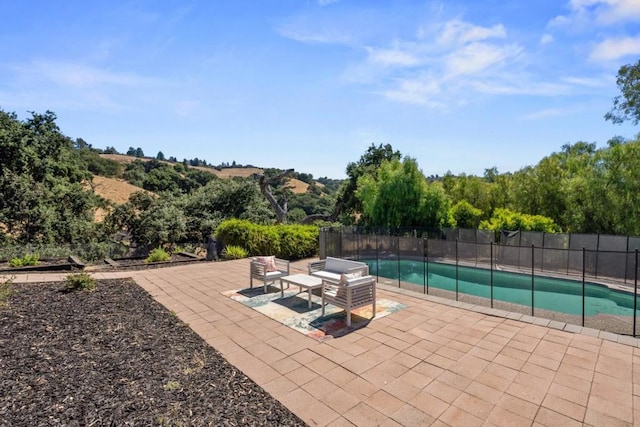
(348, 318)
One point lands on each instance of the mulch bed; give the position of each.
(114, 356)
(53, 264)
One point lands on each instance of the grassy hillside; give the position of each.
(297, 186)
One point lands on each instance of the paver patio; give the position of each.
(433, 363)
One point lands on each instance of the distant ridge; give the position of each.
(297, 186)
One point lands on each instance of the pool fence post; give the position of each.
(568, 253)
(584, 257)
(542, 252)
(475, 236)
(398, 259)
(491, 268)
(424, 268)
(626, 262)
(427, 263)
(635, 294)
(597, 253)
(377, 258)
(532, 278)
(456, 269)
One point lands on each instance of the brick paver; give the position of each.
(433, 363)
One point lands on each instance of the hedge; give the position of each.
(286, 241)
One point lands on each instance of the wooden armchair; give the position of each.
(268, 270)
(349, 294)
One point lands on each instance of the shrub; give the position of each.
(5, 290)
(28, 259)
(505, 219)
(158, 255)
(178, 249)
(234, 252)
(287, 241)
(80, 282)
(94, 251)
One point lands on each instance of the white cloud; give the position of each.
(392, 57)
(459, 32)
(614, 11)
(586, 13)
(453, 62)
(303, 34)
(519, 86)
(546, 39)
(421, 90)
(80, 75)
(477, 57)
(550, 112)
(77, 86)
(615, 48)
(594, 82)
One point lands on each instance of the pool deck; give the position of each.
(437, 362)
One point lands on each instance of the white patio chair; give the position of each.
(268, 270)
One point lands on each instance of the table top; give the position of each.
(303, 280)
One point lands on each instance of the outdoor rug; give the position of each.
(293, 311)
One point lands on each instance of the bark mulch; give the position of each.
(114, 356)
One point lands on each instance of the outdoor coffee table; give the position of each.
(302, 281)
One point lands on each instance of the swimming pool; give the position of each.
(560, 295)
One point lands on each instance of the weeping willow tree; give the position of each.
(399, 196)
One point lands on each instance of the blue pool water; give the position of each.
(550, 293)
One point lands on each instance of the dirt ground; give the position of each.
(114, 356)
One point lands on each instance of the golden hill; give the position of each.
(296, 185)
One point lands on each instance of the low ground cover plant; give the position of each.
(5, 289)
(80, 282)
(158, 255)
(28, 259)
(234, 252)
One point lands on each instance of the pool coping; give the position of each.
(540, 321)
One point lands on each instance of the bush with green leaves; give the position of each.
(465, 215)
(93, 251)
(25, 260)
(234, 252)
(158, 255)
(80, 282)
(287, 241)
(505, 219)
(5, 289)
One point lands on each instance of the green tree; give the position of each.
(347, 203)
(626, 106)
(436, 207)
(42, 183)
(466, 215)
(160, 155)
(162, 223)
(400, 197)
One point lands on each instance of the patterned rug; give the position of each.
(293, 311)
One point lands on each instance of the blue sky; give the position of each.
(459, 85)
